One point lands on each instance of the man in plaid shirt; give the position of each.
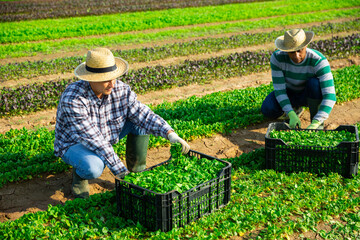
(98, 110)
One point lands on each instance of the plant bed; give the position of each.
(315, 151)
(173, 209)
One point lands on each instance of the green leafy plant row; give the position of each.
(30, 98)
(21, 10)
(264, 204)
(192, 118)
(25, 154)
(50, 29)
(30, 69)
(115, 40)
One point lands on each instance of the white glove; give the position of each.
(174, 138)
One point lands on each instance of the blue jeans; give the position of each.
(87, 163)
(272, 109)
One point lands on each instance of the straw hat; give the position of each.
(294, 40)
(100, 66)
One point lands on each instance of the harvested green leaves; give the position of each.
(181, 173)
(313, 138)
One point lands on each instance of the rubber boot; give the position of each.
(314, 105)
(136, 151)
(79, 186)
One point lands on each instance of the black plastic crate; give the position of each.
(342, 159)
(173, 209)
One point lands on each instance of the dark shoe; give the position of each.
(79, 186)
(136, 152)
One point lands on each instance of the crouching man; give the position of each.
(301, 77)
(98, 110)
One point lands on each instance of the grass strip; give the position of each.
(49, 47)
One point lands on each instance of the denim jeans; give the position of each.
(87, 163)
(272, 109)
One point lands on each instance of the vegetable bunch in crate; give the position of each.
(176, 192)
(315, 151)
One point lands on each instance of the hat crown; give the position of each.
(294, 38)
(100, 58)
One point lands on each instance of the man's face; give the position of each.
(298, 56)
(102, 88)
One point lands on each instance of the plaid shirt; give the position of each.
(96, 123)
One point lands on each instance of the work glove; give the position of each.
(174, 138)
(122, 174)
(294, 119)
(314, 124)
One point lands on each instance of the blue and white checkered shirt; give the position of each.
(96, 123)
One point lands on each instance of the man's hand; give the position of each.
(122, 174)
(315, 124)
(174, 138)
(294, 119)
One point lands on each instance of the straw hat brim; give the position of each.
(279, 43)
(83, 74)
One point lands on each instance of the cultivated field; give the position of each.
(201, 65)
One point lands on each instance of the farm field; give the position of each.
(210, 56)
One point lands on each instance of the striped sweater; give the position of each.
(287, 74)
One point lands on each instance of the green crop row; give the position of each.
(264, 205)
(37, 9)
(195, 117)
(25, 99)
(73, 44)
(37, 30)
(61, 65)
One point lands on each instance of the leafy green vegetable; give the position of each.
(181, 173)
(313, 138)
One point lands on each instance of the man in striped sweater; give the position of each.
(301, 77)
